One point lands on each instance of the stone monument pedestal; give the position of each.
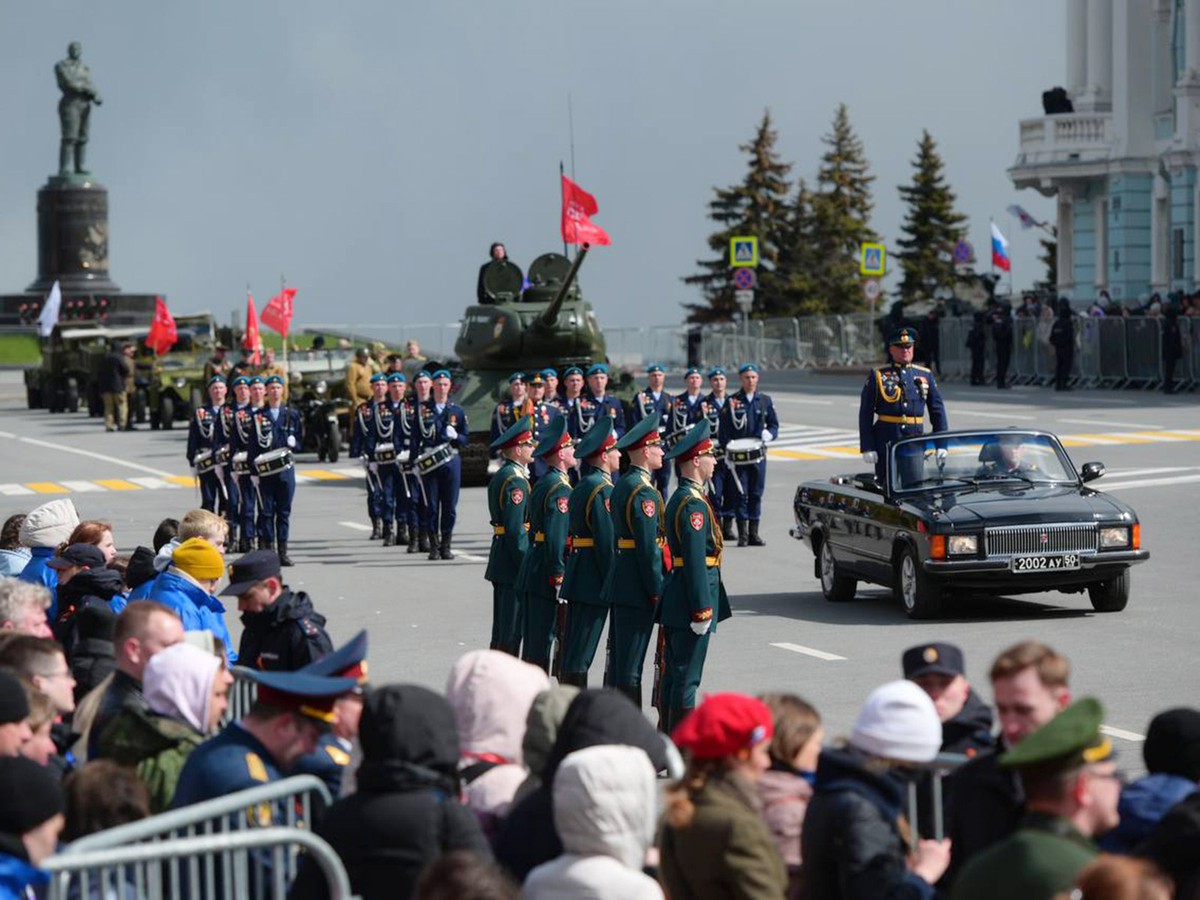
(73, 236)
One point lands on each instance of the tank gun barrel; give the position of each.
(549, 318)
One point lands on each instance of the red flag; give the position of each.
(277, 314)
(250, 340)
(162, 336)
(578, 206)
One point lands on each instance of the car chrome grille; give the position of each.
(1025, 539)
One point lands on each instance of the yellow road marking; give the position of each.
(185, 480)
(118, 484)
(794, 454)
(47, 487)
(322, 474)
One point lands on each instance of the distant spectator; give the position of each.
(546, 714)
(461, 875)
(1172, 347)
(43, 531)
(14, 714)
(84, 580)
(40, 745)
(13, 557)
(31, 817)
(103, 795)
(165, 532)
(188, 587)
(96, 533)
(23, 607)
(44, 663)
(115, 382)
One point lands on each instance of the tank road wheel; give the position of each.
(1111, 595)
(921, 597)
(836, 587)
(166, 413)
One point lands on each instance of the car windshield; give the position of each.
(979, 458)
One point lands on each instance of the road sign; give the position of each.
(744, 299)
(872, 259)
(872, 289)
(745, 278)
(964, 252)
(743, 251)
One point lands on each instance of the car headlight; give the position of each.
(322, 387)
(181, 383)
(1114, 537)
(961, 544)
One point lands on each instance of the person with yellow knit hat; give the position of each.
(189, 587)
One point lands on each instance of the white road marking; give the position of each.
(1121, 733)
(14, 490)
(810, 401)
(100, 456)
(1110, 424)
(1129, 473)
(809, 651)
(469, 558)
(81, 487)
(991, 415)
(1149, 482)
(152, 483)
(357, 526)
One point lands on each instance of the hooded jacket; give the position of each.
(541, 730)
(94, 657)
(785, 794)
(286, 636)
(604, 810)
(199, 610)
(156, 746)
(13, 562)
(528, 837)
(406, 811)
(37, 572)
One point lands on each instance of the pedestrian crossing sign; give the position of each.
(872, 259)
(743, 251)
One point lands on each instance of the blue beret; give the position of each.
(424, 373)
(717, 370)
(748, 367)
(597, 369)
(903, 337)
(257, 379)
(216, 379)
(515, 377)
(549, 373)
(652, 368)
(442, 373)
(396, 376)
(241, 379)
(378, 376)
(275, 379)
(572, 370)
(691, 370)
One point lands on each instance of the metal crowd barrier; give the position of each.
(242, 694)
(942, 765)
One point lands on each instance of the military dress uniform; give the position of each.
(541, 573)
(648, 405)
(893, 405)
(402, 413)
(334, 751)
(749, 417)
(724, 490)
(436, 425)
(608, 405)
(508, 411)
(692, 591)
(360, 423)
(634, 582)
(380, 433)
(508, 504)
(542, 412)
(592, 545)
(209, 431)
(276, 429)
(417, 508)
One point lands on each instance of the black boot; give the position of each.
(727, 527)
(412, 542)
(246, 544)
(446, 554)
(741, 532)
(388, 539)
(435, 552)
(423, 541)
(376, 533)
(231, 538)
(401, 534)
(266, 545)
(755, 540)
(284, 559)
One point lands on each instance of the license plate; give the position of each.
(1051, 563)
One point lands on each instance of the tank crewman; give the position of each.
(509, 410)
(358, 378)
(276, 427)
(239, 439)
(551, 378)
(380, 435)
(655, 403)
(893, 404)
(591, 544)
(694, 598)
(634, 582)
(723, 488)
(360, 427)
(218, 364)
(335, 747)
(603, 403)
(207, 439)
(568, 403)
(749, 414)
(442, 422)
(496, 253)
(541, 574)
(542, 413)
(418, 511)
(508, 503)
(291, 713)
(402, 413)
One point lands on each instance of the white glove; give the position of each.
(291, 441)
(254, 480)
(373, 467)
(870, 457)
(562, 601)
(451, 432)
(768, 437)
(941, 454)
(701, 628)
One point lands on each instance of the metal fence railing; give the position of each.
(242, 694)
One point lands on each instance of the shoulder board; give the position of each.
(919, 368)
(339, 756)
(255, 768)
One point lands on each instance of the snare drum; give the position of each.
(241, 463)
(670, 440)
(435, 458)
(273, 462)
(204, 461)
(746, 452)
(223, 455)
(384, 453)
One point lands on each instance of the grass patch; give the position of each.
(20, 350)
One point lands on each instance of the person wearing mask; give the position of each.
(31, 818)
(188, 587)
(43, 532)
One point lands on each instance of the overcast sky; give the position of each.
(371, 150)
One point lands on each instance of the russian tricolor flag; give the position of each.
(1000, 250)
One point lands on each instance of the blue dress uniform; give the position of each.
(442, 424)
(645, 406)
(543, 412)
(608, 405)
(634, 582)
(685, 412)
(360, 426)
(329, 761)
(724, 489)
(239, 443)
(692, 591)
(508, 411)
(746, 417)
(276, 429)
(402, 412)
(508, 499)
(380, 433)
(591, 544)
(207, 433)
(569, 407)
(893, 405)
(541, 573)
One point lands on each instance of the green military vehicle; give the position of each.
(70, 358)
(317, 388)
(171, 384)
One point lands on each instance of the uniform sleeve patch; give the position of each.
(255, 768)
(517, 495)
(697, 520)
(649, 507)
(564, 504)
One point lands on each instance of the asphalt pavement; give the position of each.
(784, 636)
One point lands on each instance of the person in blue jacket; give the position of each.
(188, 586)
(749, 414)
(441, 422)
(43, 530)
(277, 428)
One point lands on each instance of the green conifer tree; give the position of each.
(1049, 259)
(931, 226)
(799, 266)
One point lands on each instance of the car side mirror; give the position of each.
(1091, 471)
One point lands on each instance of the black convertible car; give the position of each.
(966, 512)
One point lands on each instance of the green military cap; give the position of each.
(696, 441)
(518, 433)
(554, 439)
(598, 438)
(644, 432)
(1069, 739)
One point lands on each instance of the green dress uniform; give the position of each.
(634, 581)
(591, 553)
(508, 499)
(541, 573)
(693, 592)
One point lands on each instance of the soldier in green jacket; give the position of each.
(1071, 793)
(541, 573)
(508, 498)
(694, 598)
(634, 581)
(592, 545)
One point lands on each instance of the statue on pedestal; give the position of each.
(78, 95)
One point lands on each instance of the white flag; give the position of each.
(49, 317)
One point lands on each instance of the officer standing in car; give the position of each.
(749, 414)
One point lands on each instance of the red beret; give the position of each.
(724, 724)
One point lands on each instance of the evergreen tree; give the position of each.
(1049, 259)
(931, 226)
(799, 265)
(756, 208)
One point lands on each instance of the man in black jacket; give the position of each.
(116, 377)
(281, 630)
(1062, 338)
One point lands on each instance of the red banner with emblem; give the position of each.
(250, 340)
(277, 314)
(578, 208)
(163, 335)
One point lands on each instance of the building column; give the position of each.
(1191, 25)
(1077, 47)
(1099, 56)
(1066, 242)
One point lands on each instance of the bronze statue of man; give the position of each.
(78, 95)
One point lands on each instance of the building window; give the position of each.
(1177, 253)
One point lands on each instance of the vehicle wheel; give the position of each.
(836, 587)
(154, 423)
(72, 396)
(166, 413)
(139, 406)
(921, 597)
(333, 445)
(33, 396)
(1111, 595)
(321, 452)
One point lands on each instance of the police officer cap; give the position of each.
(696, 441)
(275, 379)
(302, 692)
(691, 370)
(748, 367)
(555, 437)
(257, 379)
(936, 658)
(549, 373)
(643, 433)
(520, 431)
(377, 377)
(598, 438)
(442, 373)
(572, 370)
(249, 570)
(903, 337)
(240, 380)
(653, 367)
(216, 379)
(347, 661)
(597, 369)
(717, 370)
(1072, 738)
(396, 376)
(535, 378)
(515, 377)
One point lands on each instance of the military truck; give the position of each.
(170, 385)
(69, 364)
(318, 390)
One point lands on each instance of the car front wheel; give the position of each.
(920, 595)
(836, 587)
(1111, 595)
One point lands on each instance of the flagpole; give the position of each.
(562, 203)
(286, 373)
